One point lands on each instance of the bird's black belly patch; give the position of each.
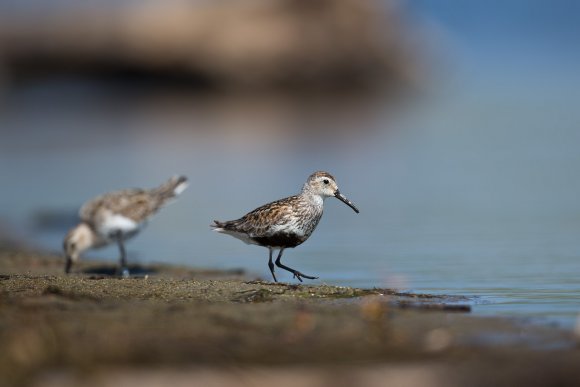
(280, 240)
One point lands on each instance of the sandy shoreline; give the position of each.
(203, 327)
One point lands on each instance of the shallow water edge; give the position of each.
(89, 327)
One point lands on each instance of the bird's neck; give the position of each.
(312, 198)
(85, 237)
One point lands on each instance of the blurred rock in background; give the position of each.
(251, 44)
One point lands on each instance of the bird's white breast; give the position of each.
(113, 223)
(292, 226)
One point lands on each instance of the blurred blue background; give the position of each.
(466, 178)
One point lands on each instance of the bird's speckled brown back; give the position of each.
(135, 204)
(289, 216)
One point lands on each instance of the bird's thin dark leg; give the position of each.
(296, 273)
(123, 269)
(67, 265)
(271, 265)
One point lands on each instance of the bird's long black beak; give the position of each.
(343, 199)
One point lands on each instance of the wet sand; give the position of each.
(181, 326)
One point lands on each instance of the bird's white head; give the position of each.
(324, 185)
(77, 240)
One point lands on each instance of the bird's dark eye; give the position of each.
(326, 181)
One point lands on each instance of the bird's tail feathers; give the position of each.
(171, 188)
(217, 226)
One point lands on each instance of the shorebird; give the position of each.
(115, 217)
(286, 222)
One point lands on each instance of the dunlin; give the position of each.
(117, 216)
(286, 222)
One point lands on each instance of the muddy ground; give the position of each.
(181, 326)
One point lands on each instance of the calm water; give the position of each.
(471, 189)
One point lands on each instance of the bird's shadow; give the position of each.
(113, 271)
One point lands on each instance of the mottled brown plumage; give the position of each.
(135, 204)
(116, 217)
(286, 222)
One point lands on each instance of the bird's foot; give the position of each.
(123, 272)
(299, 276)
(274, 276)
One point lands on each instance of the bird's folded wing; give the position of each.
(134, 204)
